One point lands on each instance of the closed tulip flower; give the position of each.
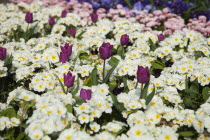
(143, 74)
(64, 57)
(72, 32)
(64, 13)
(51, 20)
(85, 94)
(124, 40)
(67, 49)
(161, 37)
(3, 53)
(29, 17)
(94, 17)
(105, 51)
(68, 79)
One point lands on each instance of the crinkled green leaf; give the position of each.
(187, 133)
(120, 107)
(157, 64)
(9, 112)
(206, 93)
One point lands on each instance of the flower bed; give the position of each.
(63, 77)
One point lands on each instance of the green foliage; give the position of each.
(152, 45)
(149, 97)
(156, 64)
(94, 77)
(119, 106)
(121, 51)
(106, 79)
(9, 112)
(194, 94)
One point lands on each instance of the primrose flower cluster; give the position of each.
(64, 78)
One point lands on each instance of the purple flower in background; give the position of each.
(161, 37)
(66, 49)
(138, 6)
(3, 53)
(29, 17)
(64, 57)
(72, 32)
(94, 17)
(105, 51)
(51, 20)
(143, 74)
(64, 13)
(85, 94)
(124, 40)
(68, 79)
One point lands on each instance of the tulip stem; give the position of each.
(104, 69)
(141, 91)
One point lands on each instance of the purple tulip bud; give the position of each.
(105, 51)
(3, 53)
(51, 20)
(67, 49)
(68, 79)
(64, 57)
(85, 94)
(72, 32)
(94, 17)
(29, 17)
(64, 13)
(161, 37)
(143, 74)
(124, 40)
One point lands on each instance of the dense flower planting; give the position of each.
(65, 77)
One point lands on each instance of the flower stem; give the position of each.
(141, 96)
(104, 69)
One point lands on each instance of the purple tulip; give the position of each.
(64, 13)
(3, 53)
(143, 74)
(68, 79)
(124, 40)
(67, 49)
(161, 37)
(29, 17)
(51, 20)
(72, 32)
(94, 17)
(64, 57)
(85, 94)
(105, 51)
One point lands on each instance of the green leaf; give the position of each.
(157, 64)
(9, 112)
(69, 108)
(187, 133)
(62, 85)
(150, 96)
(94, 77)
(80, 35)
(31, 30)
(125, 85)
(76, 89)
(106, 79)
(206, 93)
(144, 91)
(121, 51)
(79, 100)
(192, 93)
(195, 85)
(113, 61)
(112, 85)
(119, 106)
(188, 102)
(84, 56)
(152, 46)
(21, 136)
(186, 83)
(88, 82)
